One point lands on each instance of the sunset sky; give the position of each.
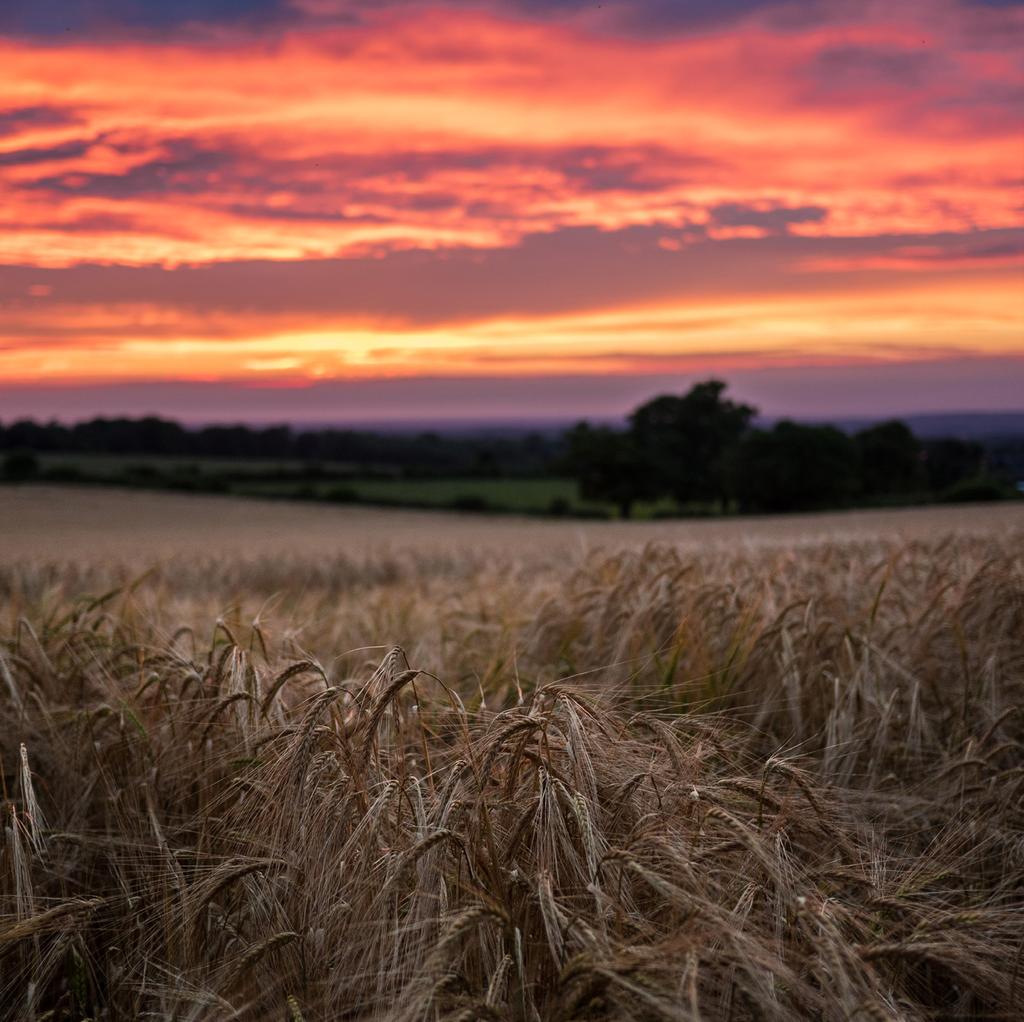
(354, 210)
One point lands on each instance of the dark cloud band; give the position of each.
(547, 274)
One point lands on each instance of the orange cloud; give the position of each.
(129, 342)
(869, 176)
(432, 131)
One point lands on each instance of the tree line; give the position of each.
(364, 450)
(701, 452)
(701, 449)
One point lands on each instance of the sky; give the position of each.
(341, 210)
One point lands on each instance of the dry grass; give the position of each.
(651, 783)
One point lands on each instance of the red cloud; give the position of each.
(415, 170)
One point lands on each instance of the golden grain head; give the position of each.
(634, 782)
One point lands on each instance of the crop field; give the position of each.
(541, 495)
(521, 495)
(270, 761)
(335, 481)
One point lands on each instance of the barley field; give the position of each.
(264, 761)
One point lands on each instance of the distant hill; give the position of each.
(962, 425)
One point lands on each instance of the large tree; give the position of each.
(689, 439)
(948, 461)
(891, 458)
(608, 467)
(796, 468)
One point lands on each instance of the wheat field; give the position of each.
(261, 765)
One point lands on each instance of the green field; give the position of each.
(349, 483)
(549, 495)
(513, 494)
(338, 483)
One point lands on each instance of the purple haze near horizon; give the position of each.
(813, 392)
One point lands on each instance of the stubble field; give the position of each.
(272, 762)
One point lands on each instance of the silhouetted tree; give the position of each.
(891, 459)
(28, 435)
(795, 468)
(608, 466)
(948, 461)
(424, 453)
(149, 435)
(688, 440)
